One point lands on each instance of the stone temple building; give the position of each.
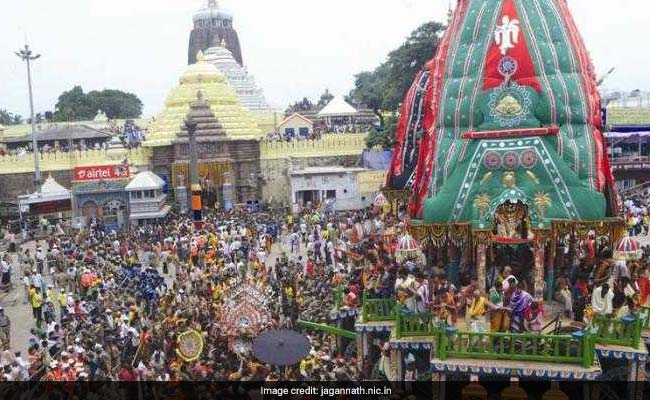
(213, 24)
(228, 136)
(238, 77)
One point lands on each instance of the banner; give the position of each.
(100, 173)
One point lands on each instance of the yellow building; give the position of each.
(224, 102)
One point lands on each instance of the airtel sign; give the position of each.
(100, 173)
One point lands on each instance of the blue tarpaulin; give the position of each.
(377, 160)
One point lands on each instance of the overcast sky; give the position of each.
(295, 48)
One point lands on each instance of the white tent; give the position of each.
(338, 107)
(145, 181)
(51, 190)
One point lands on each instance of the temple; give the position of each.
(238, 77)
(227, 136)
(213, 24)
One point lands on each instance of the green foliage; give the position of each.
(325, 98)
(384, 136)
(383, 89)
(75, 105)
(299, 106)
(8, 118)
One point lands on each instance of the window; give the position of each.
(303, 131)
(289, 132)
(331, 194)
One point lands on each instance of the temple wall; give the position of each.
(276, 185)
(16, 184)
(270, 161)
(328, 145)
(66, 161)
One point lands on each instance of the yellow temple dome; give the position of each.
(237, 120)
(202, 71)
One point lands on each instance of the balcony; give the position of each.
(630, 163)
(450, 343)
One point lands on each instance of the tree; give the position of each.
(383, 136)
(8, 118)
(383, 89)
(73, 105)
(76, 105)
(116, 104)
(299, 106)
(325, 98)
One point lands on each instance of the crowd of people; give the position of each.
(109, 305)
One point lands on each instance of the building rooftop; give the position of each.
(337, 107)
(236, 120)
(146, 180)
(50, 190)
(61, 132)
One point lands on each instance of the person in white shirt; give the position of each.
(602, 300)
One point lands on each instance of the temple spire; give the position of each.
(213, 4)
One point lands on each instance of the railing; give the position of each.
(619, 332)
(338, 298)
(378, 309)
(63, 161)
(328, 329)
(328, 145)
(415, 325)
(644, 315)
(634, 189)
(573, 349)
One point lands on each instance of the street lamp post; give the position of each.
(27, 56)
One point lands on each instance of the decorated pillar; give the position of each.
(195, 183)
(481, 261)
(394, 362)
(538, 253)
(227, 190)
(454, 261)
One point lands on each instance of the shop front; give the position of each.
(99, 193)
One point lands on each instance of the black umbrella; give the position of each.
(281, 347)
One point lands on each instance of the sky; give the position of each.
(295, 48)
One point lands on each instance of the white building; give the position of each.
(296, 125)
(315, 185)
(238, 77)
(146, 198)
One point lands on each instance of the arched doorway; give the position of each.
(114, 213)
(90, 210)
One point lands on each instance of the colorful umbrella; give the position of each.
(628, 249)
(281, 347)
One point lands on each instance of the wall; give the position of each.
(276, 186)
(66, 161)
(277, 158)
(343, 183)
(328, 145)
(14, 185)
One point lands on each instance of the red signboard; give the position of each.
(101, 173)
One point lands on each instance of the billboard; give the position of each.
(101, 173)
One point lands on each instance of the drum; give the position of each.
(500, 321)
